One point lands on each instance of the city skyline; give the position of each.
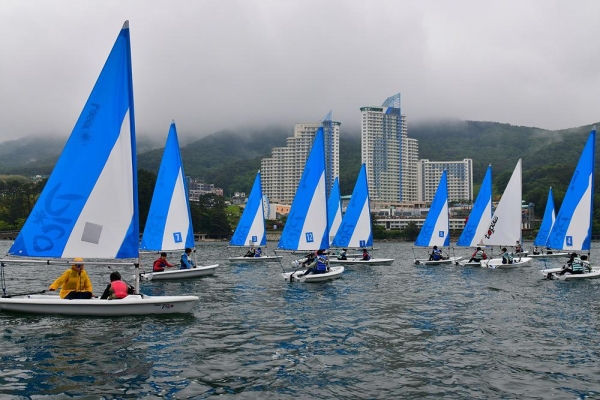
(529, 64)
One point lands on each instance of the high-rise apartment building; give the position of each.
(390, 156)
(460, 179)
(282, 171)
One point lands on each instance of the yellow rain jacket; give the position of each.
(72, 280)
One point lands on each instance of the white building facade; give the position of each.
(282, 171)
(460, 179)
(389, 155)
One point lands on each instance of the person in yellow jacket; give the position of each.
(74, 282)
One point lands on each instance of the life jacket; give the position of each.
(158, 266)
(366, 256)
(508, 257)
(577, 266)
(478, 255)
(321, 264)
(436, 255)
(258, 253)
(119, 289)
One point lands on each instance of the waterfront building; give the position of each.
(282, 171)
(460, 179)
(389, 155)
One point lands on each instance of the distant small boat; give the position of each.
(169, 223)
(436, 228)
(355, 231)
(541, 240)
(505, 226)
(572, 230)
(307, 227)
(251, 231)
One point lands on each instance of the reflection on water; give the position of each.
(403, 331)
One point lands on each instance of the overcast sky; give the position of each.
(220, 64)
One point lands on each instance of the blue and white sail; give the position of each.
(480, 216)
(505, 226)
(169, 222)
(436, 228)
(251, 230)
(89, 206)
(334, 208)
(572, 229)
(355, 230)
(547, 222)
(306, 227)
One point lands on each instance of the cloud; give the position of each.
(214, 65)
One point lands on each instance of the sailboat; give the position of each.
(169, 223)
(479, 218)
(541, 238)
(251, 231)
(505, 226)
(572, 230)
(88, 207)
(355, 231)
(334, 209)
(436, 228)
(307, 227)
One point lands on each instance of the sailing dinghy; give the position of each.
(355, 230)
(169, 223)
(307, 227)
(479, 218)
(251, 231)
(89, 206)
(572, 230)
(541, 239)
(505, 226)
(436, 228)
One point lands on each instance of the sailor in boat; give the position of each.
(319, 265)
(436, 254)
(507, 258)
(366, 256)
(342, 255)
(74, 283)
(518, 248)
(116, 289)
(161, 263)
(575, 265)
(478, 255)
(186, 260)
(258, 252)
(250, 252)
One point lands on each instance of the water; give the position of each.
(379, 332)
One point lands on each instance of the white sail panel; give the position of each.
(315, 224)
(178, 220)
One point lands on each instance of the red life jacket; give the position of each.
(119, 288)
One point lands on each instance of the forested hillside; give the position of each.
(230, 159)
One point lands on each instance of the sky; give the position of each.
(232, 64)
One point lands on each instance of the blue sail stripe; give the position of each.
(306, 224)
(355, 229)
(572, 229)
(98, 129)
(334, 208)
(547, 221)
(434, 232)
(252, 222)
(482, 210)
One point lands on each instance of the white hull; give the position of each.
(171, 274)
(551, 255)
(130, 305)
(552, 273)
(256, 259)
(426, 261)
(496, 263)
(360, 261)
(334, 273)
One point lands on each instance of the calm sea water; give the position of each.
(403, 331)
